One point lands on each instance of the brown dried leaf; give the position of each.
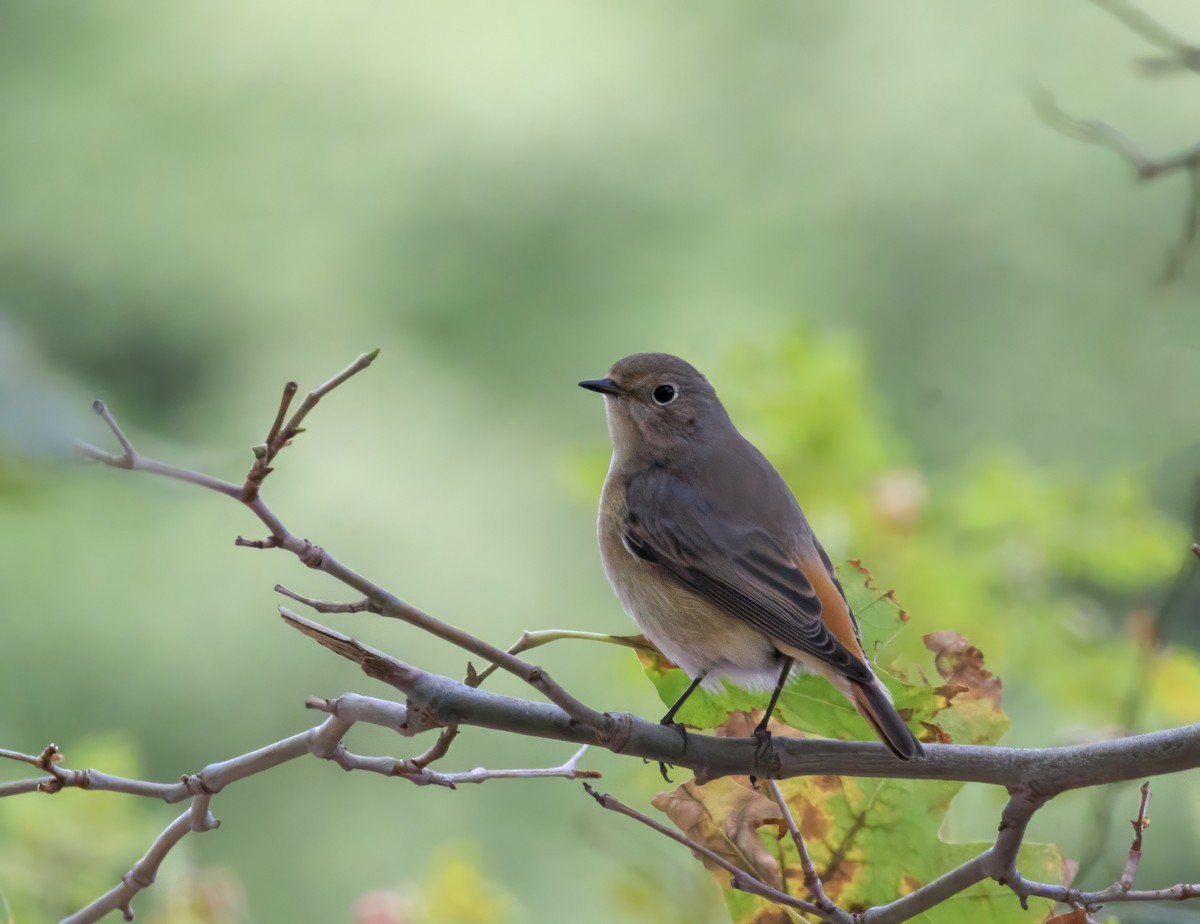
(961, 663)
(868, 578)
(725, 816)
(741, 724)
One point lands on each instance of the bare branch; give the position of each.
(61, 778)
(323, 741)
(1181, 55)
(1043, 772)
(281, 435)
(1178, 253)
(528, 640)
(387, 604)
(812, 881)
(131, 459)
(421, 776)
(143, 873)
(383, 602)
(1022, 804)
(285, 402)
(1135, 849)
(324, 606)
(1145, 167)
(917, 902)
(44, 761)
(433, 701)
(352, 707)
(568, 770)
(740, 878)
(1095, 132)
(1177, 892)
(931, 894)
(537, 638)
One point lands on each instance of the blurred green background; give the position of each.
(199, 201)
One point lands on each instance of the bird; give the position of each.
(709, 552)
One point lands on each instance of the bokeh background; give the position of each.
(942, 317)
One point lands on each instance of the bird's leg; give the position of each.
(669, 719)
(761, 733)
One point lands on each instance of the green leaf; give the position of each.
(1051, 572)
(872, 840)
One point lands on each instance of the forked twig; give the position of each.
(1179, 55)
(1135, 849)
(281, 434)
(812, 881)
(382, 601)
(740, 879)
(324, 606)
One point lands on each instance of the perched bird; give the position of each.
(711, 555)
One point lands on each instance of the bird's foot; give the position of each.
(668, 722)
(677, 726)
(764, 751)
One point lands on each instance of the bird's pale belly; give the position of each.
(697, 636)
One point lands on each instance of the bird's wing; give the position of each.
(792, 598)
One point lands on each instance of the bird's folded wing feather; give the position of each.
(735, 566)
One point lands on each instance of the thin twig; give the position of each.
(812, 881)
(324, 606)
(1068, 896)
(528, 640)
(142, 874)
(1135, 849)
(1178, 254)
(285, 402)
(1092, 131)
(931, 894)
(49, 756)
(383, 602)
(281, 435)
(537, 638)
(740, 878)
(131, 459)
(568, 770)
(1182, 55)
(1145, 167)
(322, 741)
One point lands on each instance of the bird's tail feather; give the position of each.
(874, 705)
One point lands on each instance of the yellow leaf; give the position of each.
(725, 816)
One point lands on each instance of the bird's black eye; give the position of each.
(664, 394)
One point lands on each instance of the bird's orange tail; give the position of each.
(874, 705)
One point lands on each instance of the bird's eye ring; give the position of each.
(664, 394)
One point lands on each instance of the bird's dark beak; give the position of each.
(604, 386)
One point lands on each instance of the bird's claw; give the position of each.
(679, 727)
(764, 750)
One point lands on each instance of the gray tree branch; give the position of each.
(1179, 55)
(432, 701)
